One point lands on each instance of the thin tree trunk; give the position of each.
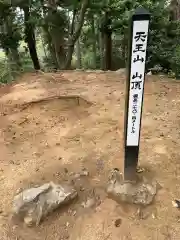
(101, 47)
(94, 42)
(15, 57)
(11, 53)
(73, 38)
(57, 39)
(108, 42)
(175, 10)
(48, 37)
(78, 54)
(30, 38)
(50, 46)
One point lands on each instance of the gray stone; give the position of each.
(121, 71)
(33, 204)
(149, 73)
(141, 192)
(89, 203)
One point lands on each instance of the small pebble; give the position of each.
(116, 169)
(28, 221)
(74, 213)
(176, 203)
(77, 175)
(89, 203)
(82, 188)
(84, 173)
(117, 222)
(14, 227)
(67, 224)
(140, 169)
(58, 174)
(19, 190)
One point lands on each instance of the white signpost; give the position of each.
(135, 89)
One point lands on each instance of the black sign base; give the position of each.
(130, 165)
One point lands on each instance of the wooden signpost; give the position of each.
(139, 27)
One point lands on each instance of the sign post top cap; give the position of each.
(141, 11)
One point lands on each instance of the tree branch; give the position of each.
(80, 21)
(73, 22)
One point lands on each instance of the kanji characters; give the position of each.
(137, 76)
(139, 48)
(138, 59)
(140, 36)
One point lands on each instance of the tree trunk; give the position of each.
(108, 42)
(73, 37)
(175, 10)
(101, 49)
(123, 47)
(30, 38)
(48, 38)
(57, 38)
(51, 49)
(12, 53)
(78, 54)
(94, 42)
(15, 58)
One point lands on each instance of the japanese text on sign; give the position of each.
(138, 57)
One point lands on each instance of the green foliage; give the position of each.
(53, 19)
(9, 71)
(175, 62)
(5, 72)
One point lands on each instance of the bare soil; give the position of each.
(54, 124)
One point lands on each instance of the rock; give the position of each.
(34, 204)
(81, 188)
(149, 73)
(28, 221)
(19, 190)
(11, 162)
(89, 203)
(117, 222)
(141, 192)
(76, 176)
(121, 71)
(176, 203)
(67, 224)
(140, 170)
(84, 173)
(74, 213)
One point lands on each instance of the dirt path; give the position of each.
(74, 120)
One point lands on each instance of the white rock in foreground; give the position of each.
(33, 204)
(142, 192)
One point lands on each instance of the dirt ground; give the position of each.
(55, 124)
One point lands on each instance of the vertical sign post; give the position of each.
(135, 89)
